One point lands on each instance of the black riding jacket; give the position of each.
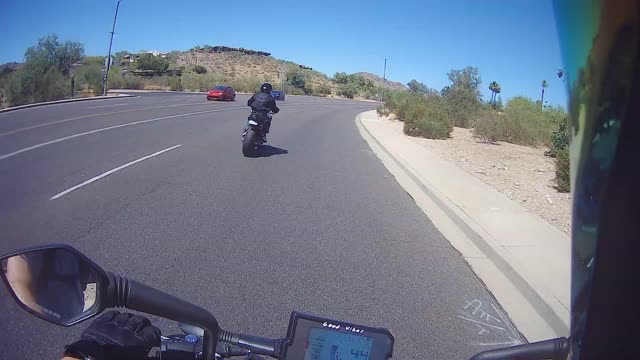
(262, 103)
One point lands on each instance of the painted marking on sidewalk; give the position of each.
(102, 106)
(109, 128)
(107, 173)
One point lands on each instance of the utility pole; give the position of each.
(384, 80)
(108, 61)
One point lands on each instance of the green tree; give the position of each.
(341, 78)
(296, 78)
(150, 62)
(49, 52)
(468, 78)
(89, 75)
(492, 87)
(463, 96)
(417, 87)
(545, 85)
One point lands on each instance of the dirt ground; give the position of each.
(522, 173)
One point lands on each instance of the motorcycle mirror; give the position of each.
(56, 283)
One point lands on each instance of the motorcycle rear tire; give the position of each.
(249, 143)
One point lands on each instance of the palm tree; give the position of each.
(492, 87)
(545, 85)
(497, 91)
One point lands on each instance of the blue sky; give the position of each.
(513, 42)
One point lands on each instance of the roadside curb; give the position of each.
(28, 106)
(494, 265)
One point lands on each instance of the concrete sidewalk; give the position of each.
(524, 261)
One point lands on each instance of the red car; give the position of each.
(221, 93)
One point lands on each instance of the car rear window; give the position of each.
(219, 88)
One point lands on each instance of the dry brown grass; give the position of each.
(236, 66)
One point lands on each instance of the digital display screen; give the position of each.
(324, 344)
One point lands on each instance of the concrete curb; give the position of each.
(28, 106)
(492, 265)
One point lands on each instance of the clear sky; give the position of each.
(513, 42)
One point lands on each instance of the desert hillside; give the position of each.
(253, 64)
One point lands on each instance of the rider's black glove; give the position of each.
(116, 335)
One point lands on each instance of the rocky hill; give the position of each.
(233, 63)
(378, 81)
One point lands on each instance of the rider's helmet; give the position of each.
(600, 44)
(266, 88)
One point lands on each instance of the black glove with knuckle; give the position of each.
(116, 335)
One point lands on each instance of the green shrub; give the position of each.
(296, 78)
(462, 106)
(562, 171)
(199, 69)
(309, 90)
(424, 116)
(348, 90)
(89, 77)
(559, 138)
(523, 123)
(487, 127)
(382, 110)
(324, 89)
(175, 83)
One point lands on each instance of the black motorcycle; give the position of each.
(252, 134)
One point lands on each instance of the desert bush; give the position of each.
(562, 171)
(89, 77)
(199, 69)
(348, 90)
(559, 138)
(150, 62)
(487, 127)
(324, 89)
(424, 116)
(522, 123)
(200, 82)
(175, 83)
(296, 78)
(309, 90)
(382, 110)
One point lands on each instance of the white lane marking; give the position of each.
(107, 173)
(101, 106)
(108, 128)
(92, 115)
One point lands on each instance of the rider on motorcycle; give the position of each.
(261, 103)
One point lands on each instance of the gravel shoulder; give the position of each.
(521, 173)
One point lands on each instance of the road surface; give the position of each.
(316, 224)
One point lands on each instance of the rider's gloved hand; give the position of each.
(116, 335)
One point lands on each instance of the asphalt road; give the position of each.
(317, 224)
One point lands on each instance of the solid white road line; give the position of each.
(92, 116)
(96, 178)
(102, 106)
(109, 128)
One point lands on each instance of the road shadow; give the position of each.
(268, 150)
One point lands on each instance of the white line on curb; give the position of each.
(107, 173)
(108, 128)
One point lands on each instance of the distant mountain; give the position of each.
(394, 85)
(12, 66)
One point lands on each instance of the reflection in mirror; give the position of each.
(56, 283)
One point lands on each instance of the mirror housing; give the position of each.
(56, 283)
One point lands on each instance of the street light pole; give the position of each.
(106, 74)
(384, 80)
